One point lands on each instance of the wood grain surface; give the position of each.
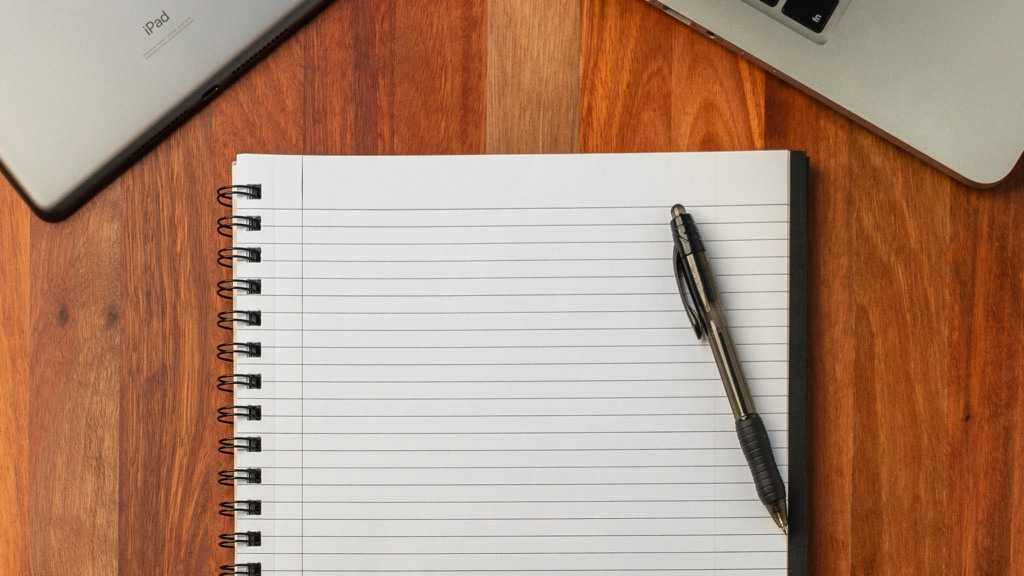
(108, 435)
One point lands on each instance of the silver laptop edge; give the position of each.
(940, 79)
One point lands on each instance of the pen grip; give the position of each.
(758, 451)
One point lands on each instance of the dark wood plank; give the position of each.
(349, 109)
(440, 89)
(396, 81)
(984, 433)
(899, 376)
(169, 459)
(74, 386)
(15, 299)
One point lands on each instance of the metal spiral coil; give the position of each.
(226, 289)
(228, 414)
(227, 319)
(226, 194)
(247, 569)
(232, 508)
(227, 256)
(228, 382)
(240, 444)
(226, 224)
(232, 539)
(226, 351)
(237, 475)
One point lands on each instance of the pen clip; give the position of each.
(686, 290)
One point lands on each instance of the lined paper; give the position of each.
(481, 365)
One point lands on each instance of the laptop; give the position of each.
(86, 88)
(943, 79)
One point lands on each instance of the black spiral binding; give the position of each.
(248, 569)
(226, 288)
(241, 444)
(240, 475)
(228, 414)
(226, 319)
(226, 256)
(233, 508)
(226, 351)
(228, 383)
(227, 224)
(230, 539)
(226, 194)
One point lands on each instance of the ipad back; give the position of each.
(87, 87)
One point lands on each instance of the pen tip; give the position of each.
(678, 210)
(780, 514)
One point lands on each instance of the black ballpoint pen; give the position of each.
(693, 275)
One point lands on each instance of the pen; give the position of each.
(693, 275)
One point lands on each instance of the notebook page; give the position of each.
(481, 365)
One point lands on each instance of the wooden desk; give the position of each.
(107, 407)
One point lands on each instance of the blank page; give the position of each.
(481, 365)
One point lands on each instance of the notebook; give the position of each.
(941, 78)
(481, 365)
(87, 88)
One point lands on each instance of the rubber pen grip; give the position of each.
(758, 451)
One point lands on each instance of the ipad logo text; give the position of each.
(157, 22)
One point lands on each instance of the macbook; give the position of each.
(87, 87)
(944, 79)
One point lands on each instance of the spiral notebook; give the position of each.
(480, 365)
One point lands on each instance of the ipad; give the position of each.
(86, 88)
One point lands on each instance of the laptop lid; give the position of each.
(87, 87)
(941, 78)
